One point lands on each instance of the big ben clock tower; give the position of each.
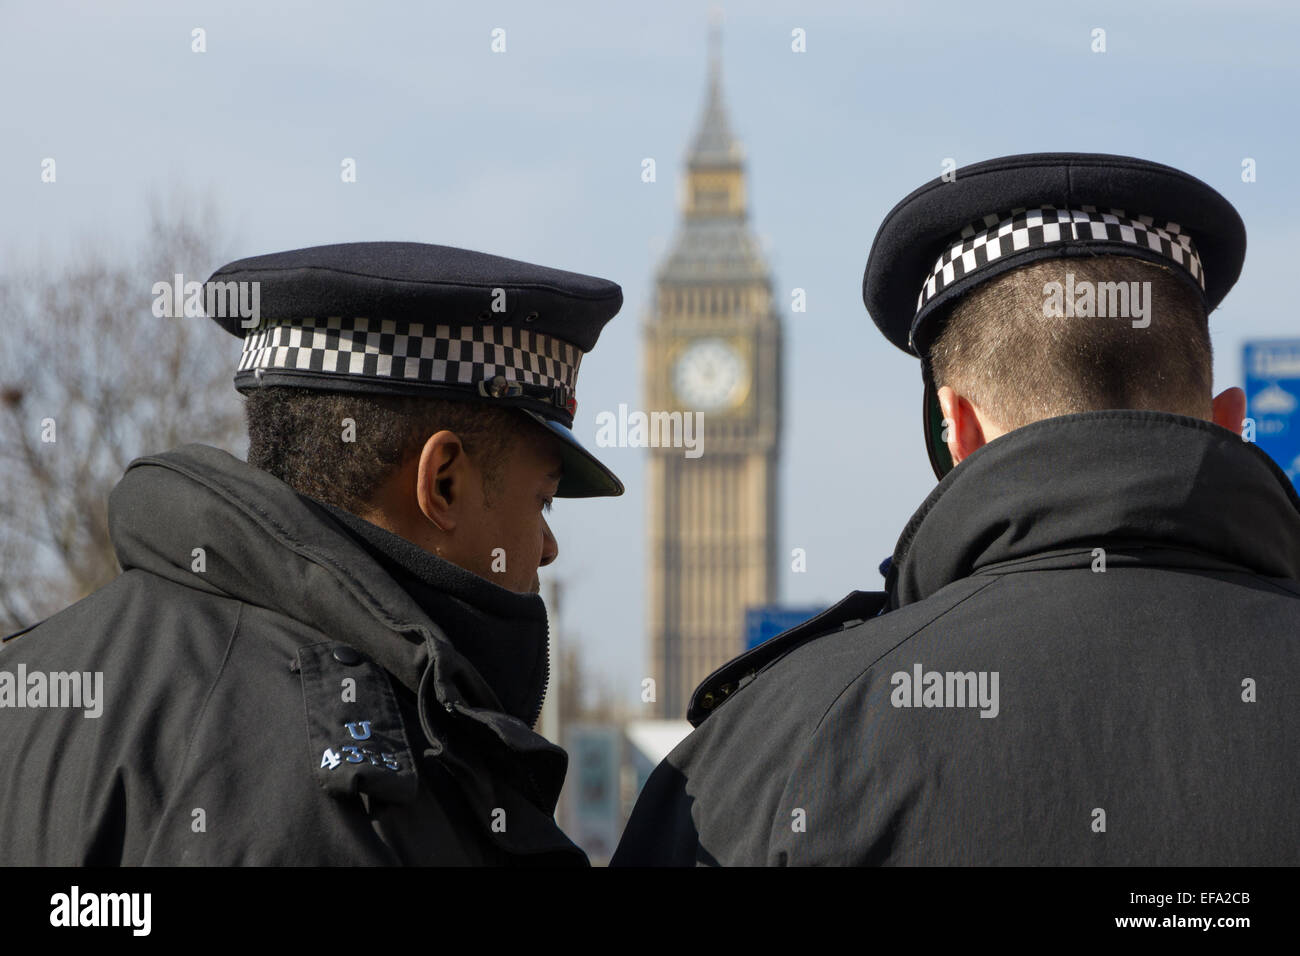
(713, 347)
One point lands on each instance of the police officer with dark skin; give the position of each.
(1088, 646)
(334, 653)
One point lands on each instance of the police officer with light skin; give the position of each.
(373, 567)
(1086, 649)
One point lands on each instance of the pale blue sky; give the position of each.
(536, 154)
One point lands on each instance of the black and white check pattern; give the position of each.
(997, 236)
(433, 354)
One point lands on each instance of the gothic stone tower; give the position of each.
(713, 346)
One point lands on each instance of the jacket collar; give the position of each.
(503, 634)
(1101, 479)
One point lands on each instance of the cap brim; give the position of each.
(584, 475)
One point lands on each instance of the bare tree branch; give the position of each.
(87, 359)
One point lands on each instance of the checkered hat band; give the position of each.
(997, 236)
(413, 352)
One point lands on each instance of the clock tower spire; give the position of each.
(713, 351)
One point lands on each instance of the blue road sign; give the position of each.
(1273, 400)
(763, 623)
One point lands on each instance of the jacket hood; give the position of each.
(270, 547)
(1098, 480)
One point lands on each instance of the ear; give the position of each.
(1229, 409)
(441, 478)
(965, 436)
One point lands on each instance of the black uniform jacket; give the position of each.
(276, 690)
(1129, 579)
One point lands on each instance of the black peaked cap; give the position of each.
(426, 320)
(413, 281)
(921, 227)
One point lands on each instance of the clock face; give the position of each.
(711, 374)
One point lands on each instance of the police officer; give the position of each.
(1088, 649)
(335, 653)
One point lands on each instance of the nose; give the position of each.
(550, 548)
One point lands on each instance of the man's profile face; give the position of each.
(502, 534)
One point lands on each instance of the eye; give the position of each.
(547, 504)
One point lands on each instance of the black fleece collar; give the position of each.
(503, 634)
(1099, 479)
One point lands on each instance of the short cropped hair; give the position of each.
(999, 350)
(297, 435)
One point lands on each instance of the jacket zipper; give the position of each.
(546, 681)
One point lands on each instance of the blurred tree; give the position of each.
(90, 379)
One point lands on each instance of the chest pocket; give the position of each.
(357, 741)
